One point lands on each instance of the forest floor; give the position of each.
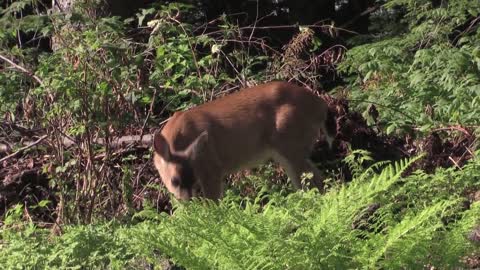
(25, 175)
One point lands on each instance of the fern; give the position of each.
(305, 221)
(406, 244)
(303, 230)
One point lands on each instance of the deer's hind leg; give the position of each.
(295, 167)
(293, 143)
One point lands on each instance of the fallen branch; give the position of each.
(450, 128)
(24, 148)
(144, 140)
(22, 69)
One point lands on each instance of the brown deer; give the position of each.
(199, 147)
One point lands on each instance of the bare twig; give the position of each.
(454, 162)
(468, 149)
(289, 26)
(22, 69)
(24, 148)
(459, 128)
(354, 19)
(470, 28)
(149, 112)
(192, 49)
(27, 214)
(386, 106)
(231, 64)
(254, 24)
(261, 44)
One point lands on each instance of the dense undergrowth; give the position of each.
(379, 220)
(423, 75)
(89, 203)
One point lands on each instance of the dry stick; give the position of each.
(289, 26)
(253, 29)
(469, 29)
(22, 69)
(149, 113)
(458, 128)
(354, 19)
(262, 44)
(468, 148)
(24, 148)
(454, 162)
(231, 64)
(25, 210)
(385, 106)
(464, 153)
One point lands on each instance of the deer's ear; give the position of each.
(198, 146)
(160, 145)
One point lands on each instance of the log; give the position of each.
(117, 142)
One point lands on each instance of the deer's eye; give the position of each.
(175, 182)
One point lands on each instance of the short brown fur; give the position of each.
(277, 120)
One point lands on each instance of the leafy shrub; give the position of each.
(104, 79)
(424, 76)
